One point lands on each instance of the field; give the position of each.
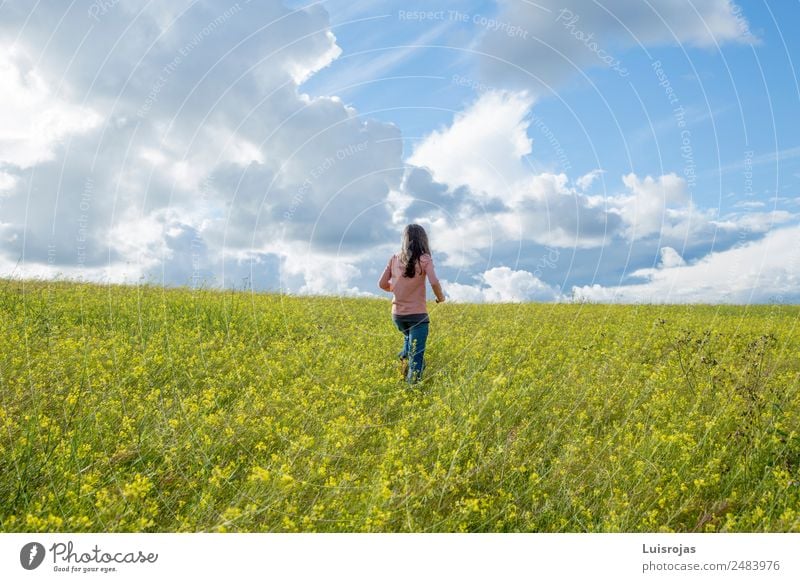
(143, 409)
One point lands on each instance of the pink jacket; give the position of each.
(409, 292)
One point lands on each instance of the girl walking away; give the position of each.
(404, 276)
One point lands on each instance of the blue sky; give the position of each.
(554, 150)
(730, 95)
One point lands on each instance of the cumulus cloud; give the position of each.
(482, 156)
(652, 204)
(545, 208)
(181, 146)
(483, 146)
(181, 137)
(502, 285)
(33, 119)
(550, 211)
(585, 182)
(476, 202)
(320, 275)
(756, 222)
(7, 181)
(758, 271)
(670, 258)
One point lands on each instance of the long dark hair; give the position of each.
(414, 245)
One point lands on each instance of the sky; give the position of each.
(554, 151)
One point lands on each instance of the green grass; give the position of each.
(145, 409)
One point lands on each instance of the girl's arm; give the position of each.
(384, 282)
(437, 289)
(430, 271)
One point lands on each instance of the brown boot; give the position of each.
(404, 367)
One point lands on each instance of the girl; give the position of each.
(404, 276)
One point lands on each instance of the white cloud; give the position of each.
(208, 144)
(229, 155)
(652, 204)
(461, 293)
(670, 258)
(301, 69)
(548, 211)
(481, 207)
(483, 146)
(757, 222)
(33, 120)
(484, 149)
(460, 241)
(585, 182)
(502, 285)
(759, 271)
(141, 238)
(749, 204)
(7, 181)
(564, 37)
(355, 71)
(306, 272)
(187, 167)
(111, 273)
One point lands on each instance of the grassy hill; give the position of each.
(145, 409)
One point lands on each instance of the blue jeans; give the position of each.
(415, 336)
